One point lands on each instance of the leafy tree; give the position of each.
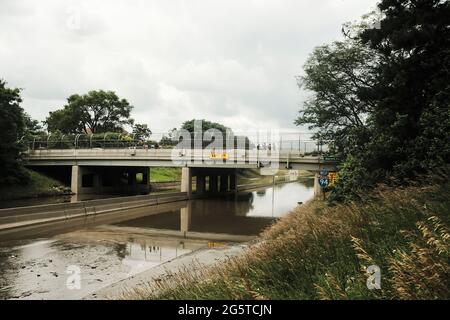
(392, 120)
(206, 125)
(12, 127)
(32, 127)
(141, 132)
(94, 112)
(66, 120)
(339, 76)
(411, 120)
(168, 140)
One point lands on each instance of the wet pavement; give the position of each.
(74, 264)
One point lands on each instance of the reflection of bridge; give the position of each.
(199, 220)
(104, 170)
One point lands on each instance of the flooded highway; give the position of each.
(79, 260)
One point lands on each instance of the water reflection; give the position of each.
(141, 254)
(280, 199)
(247, 214)
(113, 248)
(149, 252)
(37, 269)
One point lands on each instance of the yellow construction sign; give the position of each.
(221, 156)
(332, 177)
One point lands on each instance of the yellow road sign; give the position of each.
(332, 177)
(214, 155)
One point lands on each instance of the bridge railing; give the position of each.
(294, 142)
(295, 147)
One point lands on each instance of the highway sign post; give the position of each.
(324, 180)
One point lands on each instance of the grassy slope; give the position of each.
(319, 252)
(40, 185)
(165, 174)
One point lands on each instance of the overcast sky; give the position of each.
(230, 61)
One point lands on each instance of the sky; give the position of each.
(228, 61)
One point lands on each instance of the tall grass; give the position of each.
(322, 252)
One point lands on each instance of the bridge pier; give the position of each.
(233, 181)
(85, 180)
(318, 191)
(223, 183)
(213, 183)
(186, 217)
(219, 180)
(201, 184)
(75, 181)
(186, 181)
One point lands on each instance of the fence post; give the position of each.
(76, 140)
(48, 139)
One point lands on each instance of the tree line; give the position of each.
(380, 96)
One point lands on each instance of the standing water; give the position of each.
(132, 242)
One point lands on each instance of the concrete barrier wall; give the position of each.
(92, 207)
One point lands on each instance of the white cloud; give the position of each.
(225, 60)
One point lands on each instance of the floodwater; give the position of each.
(55, 199)
(77, 261)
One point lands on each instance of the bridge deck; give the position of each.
(175, 158)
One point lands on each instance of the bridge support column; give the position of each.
(146, 178)
(186, 181)
(97, 183)
(233, 181)
(131, 178)
(213, 183)
(185, 217)
(201, 184)
(223, 182)
(318, 191)
(85, 180)
(76, 179)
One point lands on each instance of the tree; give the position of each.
(12, 127)
(206, 125)
(32, 128)
(410, 120)
(383, 97)
(141, 132)
(170, 138)
(339, 76)
(66, 120)
(94, 112)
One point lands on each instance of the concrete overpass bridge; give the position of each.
(100, 170)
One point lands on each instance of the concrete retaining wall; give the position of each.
(15, 216)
